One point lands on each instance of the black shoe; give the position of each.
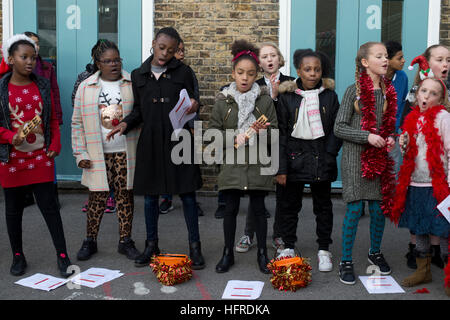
(199, 210)
(378, 260)
(436, 258)
(88, 248)
(63, 264)
(226, 262)
(220, 212)
(151, 249)
(19, 265)
(263, 261)
(165, 206)
(411, 257)
(127, 248)
(195, 253)
(346, 272)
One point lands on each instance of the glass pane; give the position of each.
(108, 20)
(392, 21)
(326, 30)
(46, 29)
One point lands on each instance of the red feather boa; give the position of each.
(435, 150)
(376, 161)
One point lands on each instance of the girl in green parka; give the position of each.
(237, 108)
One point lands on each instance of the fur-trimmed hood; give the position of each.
(291, 86)
(225, 93)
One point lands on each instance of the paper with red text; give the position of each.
(95, 277)
(178, 116)
(41, 281)
(243, 290)
(379, 284)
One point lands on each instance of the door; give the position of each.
(339, 27)
(68, 30)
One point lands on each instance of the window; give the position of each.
(391, 29)
(108, 20)
(326, 30)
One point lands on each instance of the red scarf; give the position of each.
(376, 161)
(435, 150)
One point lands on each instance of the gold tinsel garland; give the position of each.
(290, 273)
(172, 269)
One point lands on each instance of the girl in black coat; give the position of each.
(156, 88)
(308, 155)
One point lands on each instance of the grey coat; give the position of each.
(348, 128)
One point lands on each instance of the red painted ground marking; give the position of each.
(205, 294)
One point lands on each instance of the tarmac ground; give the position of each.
(206, 284)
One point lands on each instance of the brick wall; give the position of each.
(208, 28)
(445, 22)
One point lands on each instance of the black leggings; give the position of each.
(232, 200)
(46, 201)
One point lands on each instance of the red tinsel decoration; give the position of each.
(376, 161)
(290, 275)
(435, 150)
(172, 273)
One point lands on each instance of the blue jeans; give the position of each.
(167, 197)
(151, 208)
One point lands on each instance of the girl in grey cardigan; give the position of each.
(364, 124)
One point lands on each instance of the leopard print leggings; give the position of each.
(116, 168)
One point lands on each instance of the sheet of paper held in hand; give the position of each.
(444, 208)
(42, 282)
(380, 284)
(243, 290)
(178, 116)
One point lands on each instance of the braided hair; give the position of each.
(100, 48)
(363, 53)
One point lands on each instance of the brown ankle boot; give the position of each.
(422, 274)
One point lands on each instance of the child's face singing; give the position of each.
(310, 72)
(23, 60)
(440, 62)
(376, 62)
(429, 94)
(164, 48)
(244, 74)
(269, 60)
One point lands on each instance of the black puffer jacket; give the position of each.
(301, 160)
(5, 121)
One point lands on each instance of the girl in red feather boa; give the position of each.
(424, 179)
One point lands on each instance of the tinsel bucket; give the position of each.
(171, 269)
(290, 273)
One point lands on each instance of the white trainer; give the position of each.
(286, 253)
(325, 264)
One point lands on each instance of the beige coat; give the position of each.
(87, 135)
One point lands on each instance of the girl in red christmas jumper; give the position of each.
(424, 178)
(26, 164)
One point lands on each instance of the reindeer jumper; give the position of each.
(28, 163)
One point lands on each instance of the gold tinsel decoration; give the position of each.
(290, 273)
(171, 269)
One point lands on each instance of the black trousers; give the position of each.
(290, 205)
(232, 202)
(44, 194)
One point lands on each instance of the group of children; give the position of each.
(121, 138)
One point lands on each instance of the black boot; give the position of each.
(19, 265)
(151, 249)
(127, 247)
(196, 256)
(263, 260)
(63, 264)
(226, 262)
(411, 257)
(436, 259)
(88, 248)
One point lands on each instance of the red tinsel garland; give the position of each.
(290, 273)
(435, 150)
(376, 161)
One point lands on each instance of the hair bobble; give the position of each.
(248, 53)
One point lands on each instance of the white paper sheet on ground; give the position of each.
(243, 290)
(381, 284)
(444, 208)
(178, 116)
(95, 277)
(42, 282)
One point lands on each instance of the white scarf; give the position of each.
(309, 123)
(246, 104)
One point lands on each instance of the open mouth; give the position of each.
(270, 65)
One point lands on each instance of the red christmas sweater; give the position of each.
(28, 163)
